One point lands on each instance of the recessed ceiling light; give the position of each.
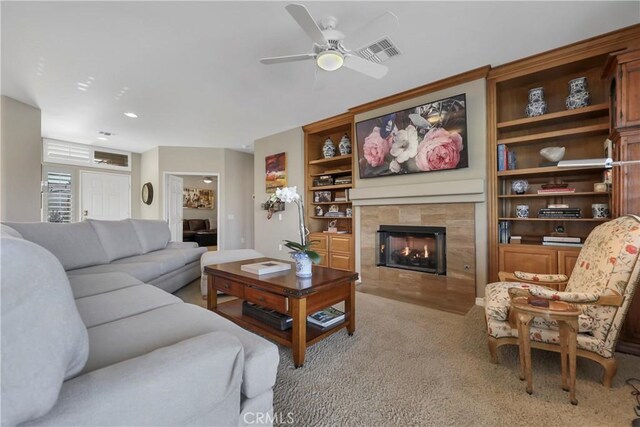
(131, 115)
(102, 138)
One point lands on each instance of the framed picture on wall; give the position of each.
(275, 172)
(425, 138)
(198, 198)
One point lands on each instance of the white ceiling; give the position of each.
(192, 70)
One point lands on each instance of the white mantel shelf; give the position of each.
(462, 191)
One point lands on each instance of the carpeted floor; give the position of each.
(410, 365)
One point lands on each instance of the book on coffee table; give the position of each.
(266, 267)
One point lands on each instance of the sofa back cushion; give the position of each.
(119, 239)
(152, 234)
(76, 245)
(198, 224)
(44, 340)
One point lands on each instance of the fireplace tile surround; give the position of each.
(454, 292)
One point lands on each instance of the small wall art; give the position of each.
(198, 198)
(275, 172)
(426, 138)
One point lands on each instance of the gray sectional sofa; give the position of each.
(96, 345)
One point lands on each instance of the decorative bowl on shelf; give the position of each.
(553, 154)
(520, 186)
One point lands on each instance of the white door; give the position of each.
(105, 196)
(173, 206)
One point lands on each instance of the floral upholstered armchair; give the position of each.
(602, 285)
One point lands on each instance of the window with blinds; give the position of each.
(58, 199)
(70, 153)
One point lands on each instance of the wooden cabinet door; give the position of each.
(629, 175)
(340, 261)
(340, 243)
(528, 258)
(324, 260)
(629, 113)
(322, 241)
(567, 259)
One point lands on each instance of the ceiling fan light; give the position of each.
(330, 60)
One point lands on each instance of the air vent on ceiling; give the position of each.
(380, 51)
(103, 133)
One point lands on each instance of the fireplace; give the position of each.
(412, 248)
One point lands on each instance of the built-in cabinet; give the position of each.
(327, 184)
(612, 72)
(622, 75)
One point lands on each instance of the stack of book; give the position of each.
(326, 318)
(556, 190)
(561, 241)
(343, 180)
(341, 196)
(335, 214)
(506, 158)
(560, 213)
(504, 231)
(515, 240)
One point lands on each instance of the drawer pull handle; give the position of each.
(227, 286)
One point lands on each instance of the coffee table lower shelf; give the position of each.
(232, 310)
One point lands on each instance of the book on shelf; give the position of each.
(325, 318)
(559, 215)
(576, 245)
(504, 230)
(511, 160)
(335, 232)
(558, 206)
(514, 240)
(567, 239)
(268, 316)
(502, 154)
(556, 190)
(266, 267)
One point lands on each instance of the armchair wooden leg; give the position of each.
(610, 368)
(493, 349)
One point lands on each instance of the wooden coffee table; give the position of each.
(287, 294)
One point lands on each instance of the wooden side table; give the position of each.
(567, 317)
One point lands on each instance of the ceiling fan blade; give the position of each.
(373, 31)
(305, 20)
(288, 58)
(371, 69)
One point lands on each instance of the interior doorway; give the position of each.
(194, 215)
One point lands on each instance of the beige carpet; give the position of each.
(409, 365)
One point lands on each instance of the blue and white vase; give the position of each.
(579, 96)
(345, 145)
(303, 264)
(537, 105)
(328, 149)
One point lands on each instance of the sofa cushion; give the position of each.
(85, 285)
(152, 234)
(76, 245)
(118, 238)
(44, 340)
(6, 231)
(136, 335)
(107, 307)
(166, 260)
(188, 255)
(145, 271)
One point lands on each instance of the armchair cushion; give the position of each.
(549, 278)
(571, 297)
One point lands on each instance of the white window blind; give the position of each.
(58, 197)
(67, 152)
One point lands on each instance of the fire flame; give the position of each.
(406, 251)
(426, 252)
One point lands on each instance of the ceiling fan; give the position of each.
(329, 45)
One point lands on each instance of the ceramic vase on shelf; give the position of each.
(345, 145)
(537, 105)
(579, 96)
(328, 149)
(303, 264)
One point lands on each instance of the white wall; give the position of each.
(239, 200)
(149, 172)
(21, 154)
(270, 233)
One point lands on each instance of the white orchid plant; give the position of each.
(290, 195)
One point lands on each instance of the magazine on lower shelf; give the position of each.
(325, 318)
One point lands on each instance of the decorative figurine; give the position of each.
(319, 211)
(553, 154)
(328, 149)
(579, 96)
(345, 145)
(537, 105)
(520, 186)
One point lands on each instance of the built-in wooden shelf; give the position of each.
(332, 172)
(557, 219)
(555, 135)
(549, 170)
(577, 194)
(331, 203)
(331, 160)
(330, 217)
(330, 187)
(557, 117)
